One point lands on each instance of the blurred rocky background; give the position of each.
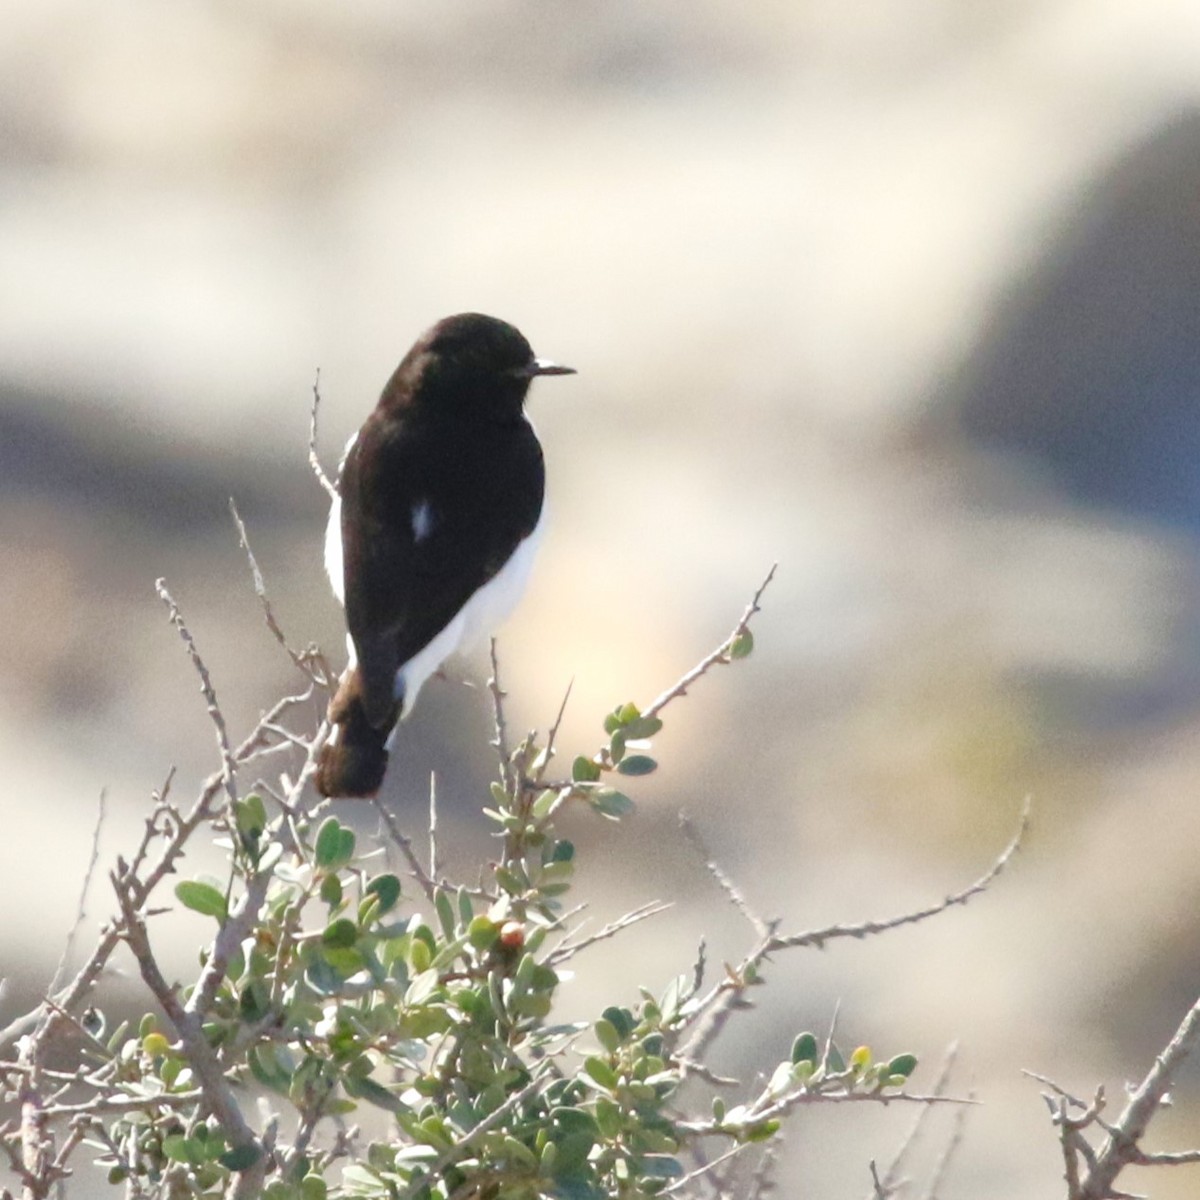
(903, 294)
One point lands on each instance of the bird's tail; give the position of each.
(354, 760)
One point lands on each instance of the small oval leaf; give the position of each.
(742, 645)
(201, 897)
(637, 764)
(387, 888)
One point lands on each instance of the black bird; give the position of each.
(433, 532)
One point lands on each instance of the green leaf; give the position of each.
(763, 1132)
(781, 1079)
(387, 888)
(902, 1064)
(607, 1035)
(642, 727)
(331, 890)
(421, 988)
(202, 898)
(313, 1187)
(334, 846)
(365, 1088)
(628, 712)
(518, 1153)
(241, 1157)
(250, 816)
(540, 808)
(179, 1148)
(834, 1060)
(660, 1166)
(584, 770)
(445, 912)
(637, 764)
(345, 960)
(621, 1019)
(610, 803)
(601, 1072)
(266, 1067)
(742, 645)
(804, 1049)
(608, 1117)
(341, 934)
(255, 1001)
(576, 1120)
(616, 746)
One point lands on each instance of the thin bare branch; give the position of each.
(720, 656)
(433, 825)
(1121, 1146)
(818, 937)
(404, 842)
(303, 662)
(567, 948)
(103, 1105)
(761, 926)
(463, 1144)
(762, 1182)
(890, 1177)
(210, 696)
(501, 739)
(880, 1189)
(80, 909)
(948, 1151)
(188, 1026)
(313, 458)
(548, 753)
(803, 1097)
(707, 1169)
(234, 929)
(709, 1014)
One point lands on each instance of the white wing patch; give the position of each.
(422, 520)
(333, 536)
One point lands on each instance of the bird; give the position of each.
(437, 513)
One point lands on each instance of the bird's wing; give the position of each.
(427, 519)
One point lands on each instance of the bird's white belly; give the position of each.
(481, 616)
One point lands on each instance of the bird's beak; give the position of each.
(543, 366)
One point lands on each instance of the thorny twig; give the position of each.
(188, 1025)
(1091, 1173)
(404, 842)
(719, 656)
(710, 1013)
(760, 925)
(305, 662)
(501, 725)
(567, 948)
(463, 1144)
(210, 696)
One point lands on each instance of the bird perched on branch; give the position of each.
(433, 531)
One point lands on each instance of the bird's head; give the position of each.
(469, 362)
